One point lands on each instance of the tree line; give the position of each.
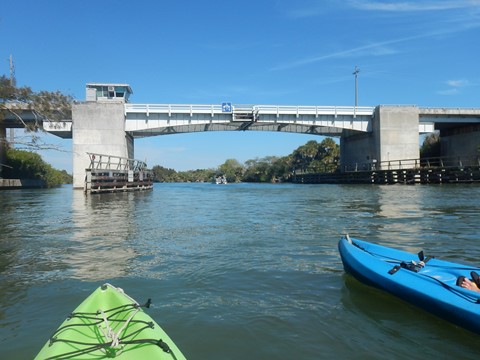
(22, 164)
(312, 157)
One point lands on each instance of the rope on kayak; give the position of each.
(105, 346)
(115, 344)
(109, 333)
(97, 321)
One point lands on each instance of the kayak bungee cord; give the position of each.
(114, 344)
(109, 333)
(94, 316)
(73, 354)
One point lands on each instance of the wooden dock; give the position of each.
(113, 174)
(418, 171)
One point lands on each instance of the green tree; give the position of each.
(281, 169)
(44, 105)
(28, 165)
(431, 146)
(267, 169)
(161, 174)
(328, 155)
(232, 170)
(18, 103)
(304, 155)
(316, 157)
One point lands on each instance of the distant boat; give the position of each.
(220, 180)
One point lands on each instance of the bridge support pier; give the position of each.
(98, 127)
(394, 136)
(462, 143)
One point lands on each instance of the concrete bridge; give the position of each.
(106, 123)
(142, 120)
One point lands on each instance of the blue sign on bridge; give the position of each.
(226, 107)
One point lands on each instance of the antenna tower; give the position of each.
(12, 72)
(12, 83)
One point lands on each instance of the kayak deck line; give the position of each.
(395, 260)
(411, 265)
(109, 330)
(113, 339)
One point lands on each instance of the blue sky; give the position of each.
(283, 52)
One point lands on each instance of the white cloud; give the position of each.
(452, 91)
(315, 8)
(377, 49)
(454, 23)
(413, 6)
(458, 83)
(373, 49)
(455, 87)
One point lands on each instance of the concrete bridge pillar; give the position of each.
(393, 136)
(98, 127)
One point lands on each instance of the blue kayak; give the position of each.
(425, 282)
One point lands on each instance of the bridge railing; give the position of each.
(258, 109)
(173, 108)
(314, 110)
(109, 162)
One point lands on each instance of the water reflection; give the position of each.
(28, 240)
(51, 235)
(99, 247)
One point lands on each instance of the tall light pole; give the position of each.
(357, 70)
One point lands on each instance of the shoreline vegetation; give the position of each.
(311, 157)
(30, 170)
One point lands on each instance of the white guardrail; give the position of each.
(257, 109)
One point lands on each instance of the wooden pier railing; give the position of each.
(440, 170)
(113, 173)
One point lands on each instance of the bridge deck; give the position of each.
(160, 119)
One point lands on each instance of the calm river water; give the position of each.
(237, 271)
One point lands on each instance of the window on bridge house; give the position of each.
(108, 91)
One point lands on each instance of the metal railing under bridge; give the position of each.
(438, 170)
(107, 173)
(109, 162)
(405, 164)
